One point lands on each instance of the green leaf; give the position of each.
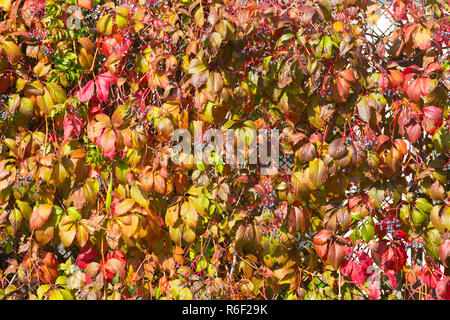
(66, 294)
(61, 280)
(108, 197)
(72, 211)
(432, 242)
(367, 232)
(423, 205)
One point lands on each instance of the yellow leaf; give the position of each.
(338, 26)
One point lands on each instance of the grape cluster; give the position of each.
(389, 93)
(255, 48)
(368, 142)
(47, 50)
(4, 97)
(3, 237)
(39, 12)
(269, 199)
(39, 35)
(266, 207)
(22, 181)
(5, 115)
(390, 224)
(325, 93)
(417, 243)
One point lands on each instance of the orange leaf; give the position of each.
(40, 215)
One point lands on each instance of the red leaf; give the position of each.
(430, 277)
(86, 4)
(112, 46)
(102, 84)
(393, 256)
(392, 281)
(433, 113)
(320, 242)
(357, 269)
(413, 131)
(443, 288)
(72, 126)
(85, 94)
(399, 10)
(444, 252)
(425, 86)
(86, 256)
(348, 75)
(374, 289)
(434, 66)
(281, 212)
(414, 89)
(410, 126)
(322, 236)
(336, 254)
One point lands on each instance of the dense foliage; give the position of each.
(93, 207)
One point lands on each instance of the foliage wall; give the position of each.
(93, 207)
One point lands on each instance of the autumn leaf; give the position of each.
(86, 93)
(40, 215)
(318, 172)
(102, 84)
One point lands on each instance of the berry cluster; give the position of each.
(269, 199)
(47, 50)
(255, 48)
(39, 10)
(442, 36)
(272, 231)
(39, 35)
(325, 93)
(389, 93)
(417, 243)
(22, 181)
(390, 224)
(3, 236)
(6, 115)
(368, 142)
(4, 98)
